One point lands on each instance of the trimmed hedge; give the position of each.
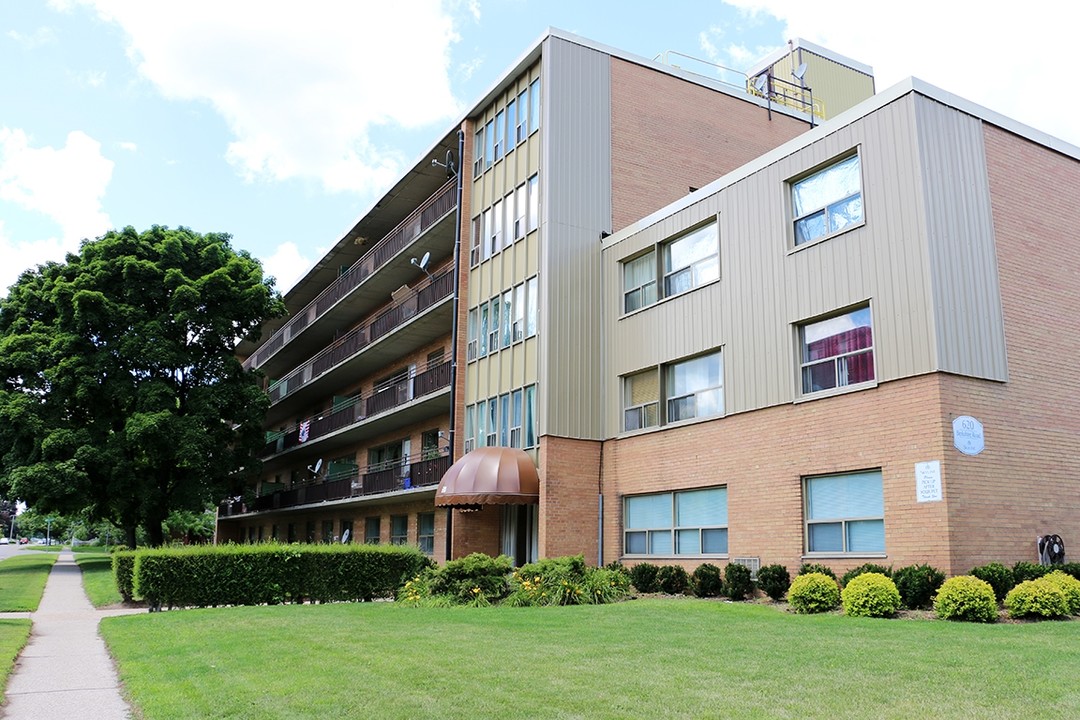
(643, 576)
(999, 577)
(966, 597)
(917, 585)
(207, 576)
(1070, 586)
(708, 581)
(1037, 598)
(672, 579)
(870, 594)
(737, 582)
(814, 592)
(774, 581)
(123, 567)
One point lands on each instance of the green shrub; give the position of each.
(865, 568)
(813, 593)
(917, 585)
(870, 594)
(672, 579)
(807, 568)
(966, 597)
(774, 581)
(606, 586)
(474, 579)
(1071, 569)
(708, 581)
(1025, 570)
(737, 582)
(643, 576)
(616, 566)
(123, 566)
(998, 576)
(1037, 598)
(566, 581)
(1070, 586)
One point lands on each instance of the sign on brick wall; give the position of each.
(968, 435)
(928, 481)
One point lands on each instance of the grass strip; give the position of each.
(645, 658)
(13, 637)
(97, 578)
(22, 581)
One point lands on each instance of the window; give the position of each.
(531, 302)
(489, 143)
(488, 227)
(534, 203)
(483, 330)
(496, 227)
(845, 513)
(500, 128)
(694, 388)
(399, 529)
(828, 201)
(477, 240)
(470, 428)
(523, 115)
(515, 419)
(530, 416)
(641, 400)
(639, 282)
(534, 106)
(504, 420)
(520, 210)
(481, 424)
(507, 314)
(837, 351)
(692, 522)
(425, 532)
(309, 531)
(692, 260)
(371, 530)
(473, 346)
(519, 312)
(478, 150)
(493, 328)
(493, 422)
(328, 531)
(511, 125)
(346, 531)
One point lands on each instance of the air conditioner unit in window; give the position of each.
(752, 563)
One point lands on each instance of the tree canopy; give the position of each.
(120, 392)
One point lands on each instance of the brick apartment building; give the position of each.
(761, 369)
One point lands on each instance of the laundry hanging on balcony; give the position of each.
(305, 430)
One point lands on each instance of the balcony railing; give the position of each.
(415, 474)
(425, 216)
(359, 407)
(434, 291)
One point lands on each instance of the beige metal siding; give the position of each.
(575, 195)
(767, 288)
(838, 86)
(967, 297)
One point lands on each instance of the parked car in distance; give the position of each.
(4, 541)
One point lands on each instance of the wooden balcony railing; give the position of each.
(418, 473)
(434, 209)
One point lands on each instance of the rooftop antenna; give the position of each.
(761, 82)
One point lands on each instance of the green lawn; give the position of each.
(639, 659)
(13, 635)
(22, 581)
(97, 577)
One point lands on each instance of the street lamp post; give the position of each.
(48, 531)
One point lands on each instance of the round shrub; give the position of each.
(672, 579)
(870, 595)
(643, 576)
(814, 593)
(966, 597)
(708, 581)
(865, 568)
(1036, 598)
(737, 582)
(917, 585)
(807, 568)
(774, 581)
(1025, 570)
(1070, 586)
(998, 576)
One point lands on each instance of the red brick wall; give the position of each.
(478, 531)
(569, 497)
(668, 135)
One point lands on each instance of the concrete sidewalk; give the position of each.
(65, 671)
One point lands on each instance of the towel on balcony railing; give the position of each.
(305, 430)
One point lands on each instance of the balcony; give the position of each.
(419, 473)
(430, 228)
(417, 320)
(398, 403)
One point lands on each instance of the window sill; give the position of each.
(844, 556)
(718, 556)
(833, 392)
(663, 300)
(823, 238)
(668, 426)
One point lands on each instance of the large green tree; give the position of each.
(120, 393)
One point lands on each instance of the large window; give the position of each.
(694, 388)
(692, 260)
(399, 529)
(639, 282)
(837, 351)
(641, 400)
(845, 513)
(828, 201)
(425, 532)
(692, 522)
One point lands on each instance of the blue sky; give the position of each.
(281, 122)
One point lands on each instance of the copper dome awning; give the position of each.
(490, 476)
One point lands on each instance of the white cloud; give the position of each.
(41, 36)
(129, 146)
(92, 78)
(301, 88)
(1015, 62)
(288, 264)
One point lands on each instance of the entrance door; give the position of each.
(521, 533)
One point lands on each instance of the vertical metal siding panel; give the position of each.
(967, 297)
(576, 194)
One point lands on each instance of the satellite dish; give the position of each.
(799, 71)
(760, 82)
(422, 263)
(316, 467)
(345, 538)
